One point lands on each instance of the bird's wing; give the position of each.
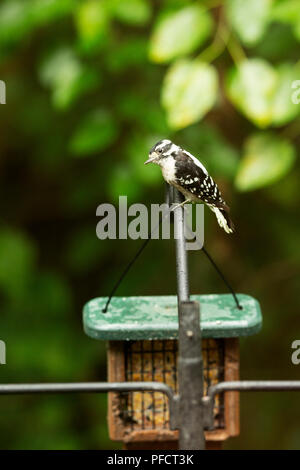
(195, 179)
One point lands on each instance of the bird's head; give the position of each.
(161, 150)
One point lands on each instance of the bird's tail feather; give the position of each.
(223, 219)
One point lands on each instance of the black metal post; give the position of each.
(190, 367)
(169, 194)
(181, 255)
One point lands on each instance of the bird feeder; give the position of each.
(158, 339)
(142, 336)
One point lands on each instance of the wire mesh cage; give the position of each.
(157, 361)
(142, 416)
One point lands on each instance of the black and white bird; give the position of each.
(186, 173)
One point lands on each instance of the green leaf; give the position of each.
(92, 21)
(189, 92)
(67, 77)
(283, 109)
(15, 21)
(135, 12)
(262, 92)
(44, 11)
(249, 19)
(180, 33)
(266, 159)
(296, 30)
(251, 88)
(18, 17)
(96, 132)
(287, 11)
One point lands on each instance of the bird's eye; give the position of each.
(159, 150)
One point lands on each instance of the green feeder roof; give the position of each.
(156, 317)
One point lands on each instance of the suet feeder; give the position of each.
(142, 336)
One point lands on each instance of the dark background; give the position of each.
(84, 82)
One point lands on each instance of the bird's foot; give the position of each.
(179, 205)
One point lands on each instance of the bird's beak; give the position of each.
(152, 157)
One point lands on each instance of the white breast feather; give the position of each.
(168, 169)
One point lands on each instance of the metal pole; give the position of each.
(255, 386)
(181, 255)
(95, 387)
(85, 387)
(244, 386)
(190, 366)
(169, 194)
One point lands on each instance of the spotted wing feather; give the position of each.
(195, 180)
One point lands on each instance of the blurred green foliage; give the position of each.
(91, 86)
